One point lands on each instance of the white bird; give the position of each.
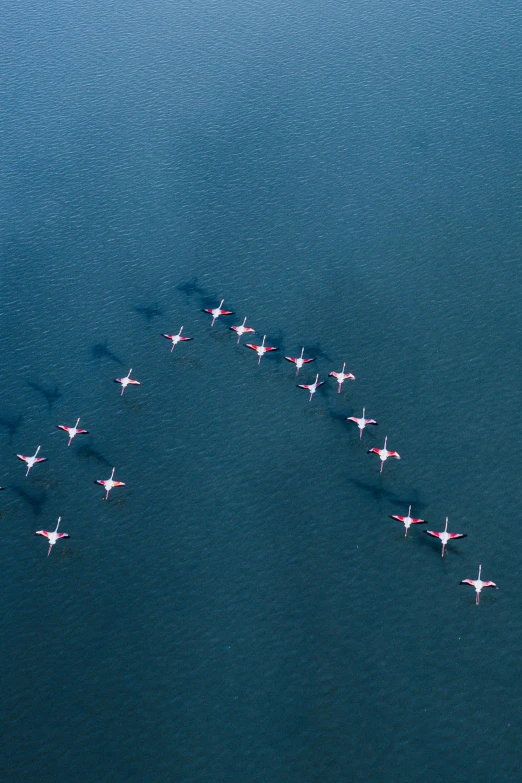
(216, 312)
(72, 431)
(109, 483)
(176, 338)
(30, 461)
(126, 381)
(53, 536)
(444, 536)
(478, 584)
(408, 521)
(362, 422)
(341, 377)
(299, 361)
(384, 453)
(311, 387)
(261, 349)
(242, 329)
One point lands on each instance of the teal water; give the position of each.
(347, 176)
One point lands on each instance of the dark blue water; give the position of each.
(348, 176)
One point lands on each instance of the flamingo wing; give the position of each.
(458, 535)
(41, 459)
(100, 481)
(394, 516)
(63, 427)
(134, 383)
(373, 451)
(63, 535)
(186, 339)
(118, 380)
(21, 456)
(489, 584)
(372, 421)
(42, 533)
(82, 432)
(319, 383)
(118, 484)
(303, 385)
(168, 336)
(307, 361)
(468, 582)
(251, 346)
(394, 454)
(290, 358)
(433, 533)
(416, 521)
(270, 348)
(207, 310)
(333, 374)
(226, 312)
(352, 418)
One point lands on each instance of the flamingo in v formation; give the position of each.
(384, 453)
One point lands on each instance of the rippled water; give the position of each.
(348, 177)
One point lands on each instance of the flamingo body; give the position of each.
(478, 584)
(215, 312)
(177, 338)
(30, 461)
(444, 536)
(362, 422)
(311, 387)
(384, 453)
(341, 377)
(109, 483)
(408, 521)
(299, 361)
(261, 349)
(126, 380)
(72, 431)
(242, 329)
(52, 536)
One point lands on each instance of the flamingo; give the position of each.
(217, 311)
(362, 422)
(126, 381)
(241, 330)
(384, 453)
(444, 536)
(299, 361)
(109, 484)
(32, 460)
(72, 431)
(311, 387)
(261, 349)
(53, 536)
(176, 338)
(408, 521)
(478, 584)
(341, 377)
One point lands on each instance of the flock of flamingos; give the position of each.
(299, 361)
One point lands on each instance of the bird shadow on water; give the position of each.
(101, 351)
(11, 424)
(86, 451)
(50, 395)
(35, 499)
(149, 312)
(380, 492)
(192, 289)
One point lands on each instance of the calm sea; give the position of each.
(347, 175)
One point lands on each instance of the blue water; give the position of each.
(348, 176)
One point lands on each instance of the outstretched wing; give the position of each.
(433, 533)
(63, 535)
(489, 584)
(394, 454)
(42, 533)
(458, 535)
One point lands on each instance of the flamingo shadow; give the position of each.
(50, 395)
(101, 351)
(192, 288)
(383, 493)
(35, 499)
(11, 424)
(149, 312)
(86, 451)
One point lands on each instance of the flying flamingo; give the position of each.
(444, 536)
(478, 584)
(408, 521)
(53, 537)
(241, 330)
(384, 453)
(217, 311)
(299, 361)
(311, 387)
(72, 431)
(109, 484)
(126, 381)
(32, 460)
(261, 349)
(176, 338)
(341, 377)
(362, 422)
